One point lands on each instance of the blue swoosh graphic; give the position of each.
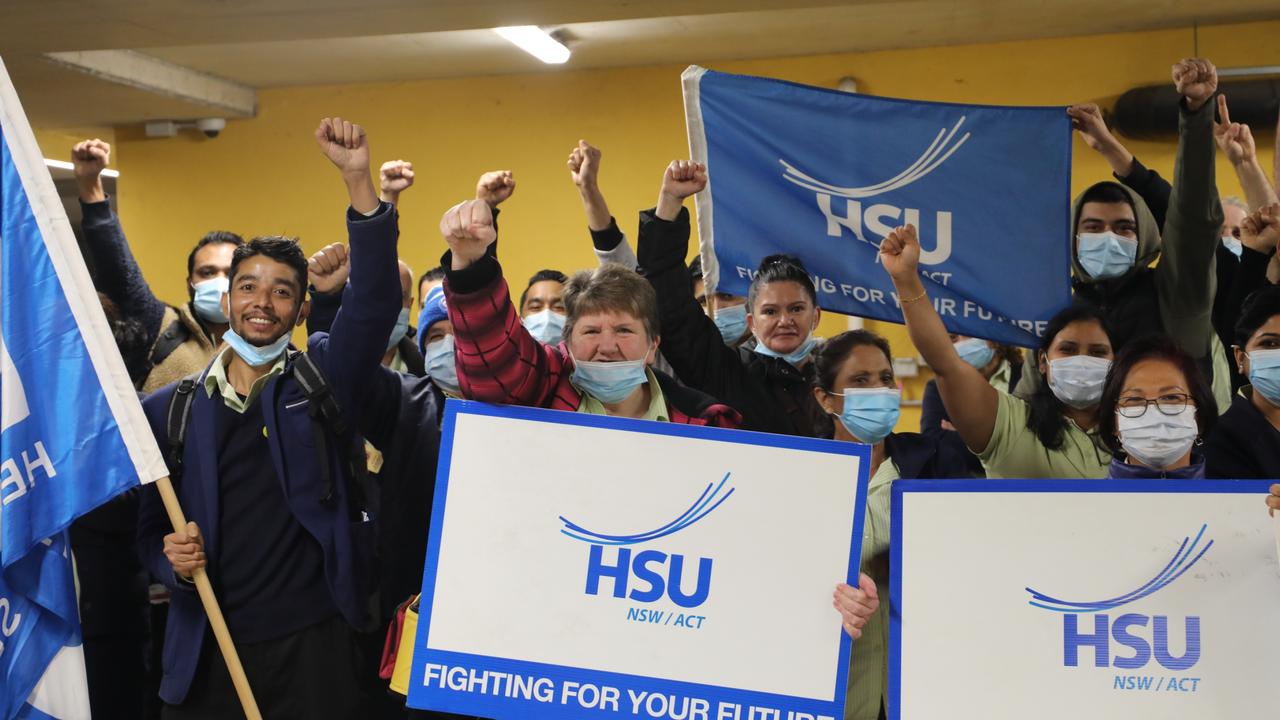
(1177, 566)
(708, 501)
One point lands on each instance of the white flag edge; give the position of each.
(60, 243)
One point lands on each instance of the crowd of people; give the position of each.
(308, 477)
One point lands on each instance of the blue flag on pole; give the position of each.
(825, 175)
(72, 433)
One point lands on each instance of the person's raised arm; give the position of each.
(468, 228)
(88, 159)
(1259, 233)
(584, 168)
(371, 304)
(394, 177)
(116, 272)
(1186, 276)
(691, 342)
(1235, 140)
(1088, 121)
(496, 357)
(346, 146)
(969, 398)
(327, 272)
(682, 179)
(609, 242)
(495, 186)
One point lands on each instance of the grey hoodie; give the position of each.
(1176, 296)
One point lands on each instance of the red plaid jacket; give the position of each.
(498, 361)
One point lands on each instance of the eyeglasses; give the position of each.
(1136, 406)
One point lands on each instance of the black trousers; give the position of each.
(310, 674)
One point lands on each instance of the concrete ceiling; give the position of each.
(271, 43)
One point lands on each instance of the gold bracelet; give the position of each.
(921, 296)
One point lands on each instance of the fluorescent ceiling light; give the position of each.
(63, 165)
(535, 41)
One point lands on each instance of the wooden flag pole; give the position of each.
(216, 621)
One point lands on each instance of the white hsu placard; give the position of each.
(1069, 599)
(590, 567)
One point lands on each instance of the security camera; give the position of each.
(211, 126)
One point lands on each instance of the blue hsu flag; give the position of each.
(825, 175)
(72, 433)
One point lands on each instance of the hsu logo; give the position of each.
(646, 576)
(1089, 626)
(880, 218)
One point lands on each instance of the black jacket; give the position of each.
(324, 308)
(933, 413)
(404, 427)
(919, 457)
(1236, 277)
(772, 395)
(1243, 445)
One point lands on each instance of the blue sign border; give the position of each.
(501, 707)
(989, 485)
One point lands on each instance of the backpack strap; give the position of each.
(169, 340)
(326, 418)
(177, 417)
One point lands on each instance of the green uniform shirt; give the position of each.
(216, 380)
(868, 683)
(1016, 452)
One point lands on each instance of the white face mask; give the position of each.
(1077, 380)
(1158, 440)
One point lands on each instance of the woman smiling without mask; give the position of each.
(769, 383)
(1155, 410)
(854, 383)
(1052, 435)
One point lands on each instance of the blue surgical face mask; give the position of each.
(1106, 255)
(401, 328)
(870, 414)
(1233, 244)
(795, 357)
(440, 366)
(732, 322)
(547, 326)
(1264, 374)
(1078, 380)
(609, 382)
(253, 355)
(208, 299)
(977, 353)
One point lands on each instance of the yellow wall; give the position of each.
(266, 176)
(55, 144)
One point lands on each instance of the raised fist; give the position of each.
(495, 186)
(345, 144)
(1234, 139)
(683, 178)
(395, 177)
(468, 228)
(584, 165)
(1260, 231)
(327, 270)
(1087, 119)
(900, 252)
(90, 158)
(1196, 80)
